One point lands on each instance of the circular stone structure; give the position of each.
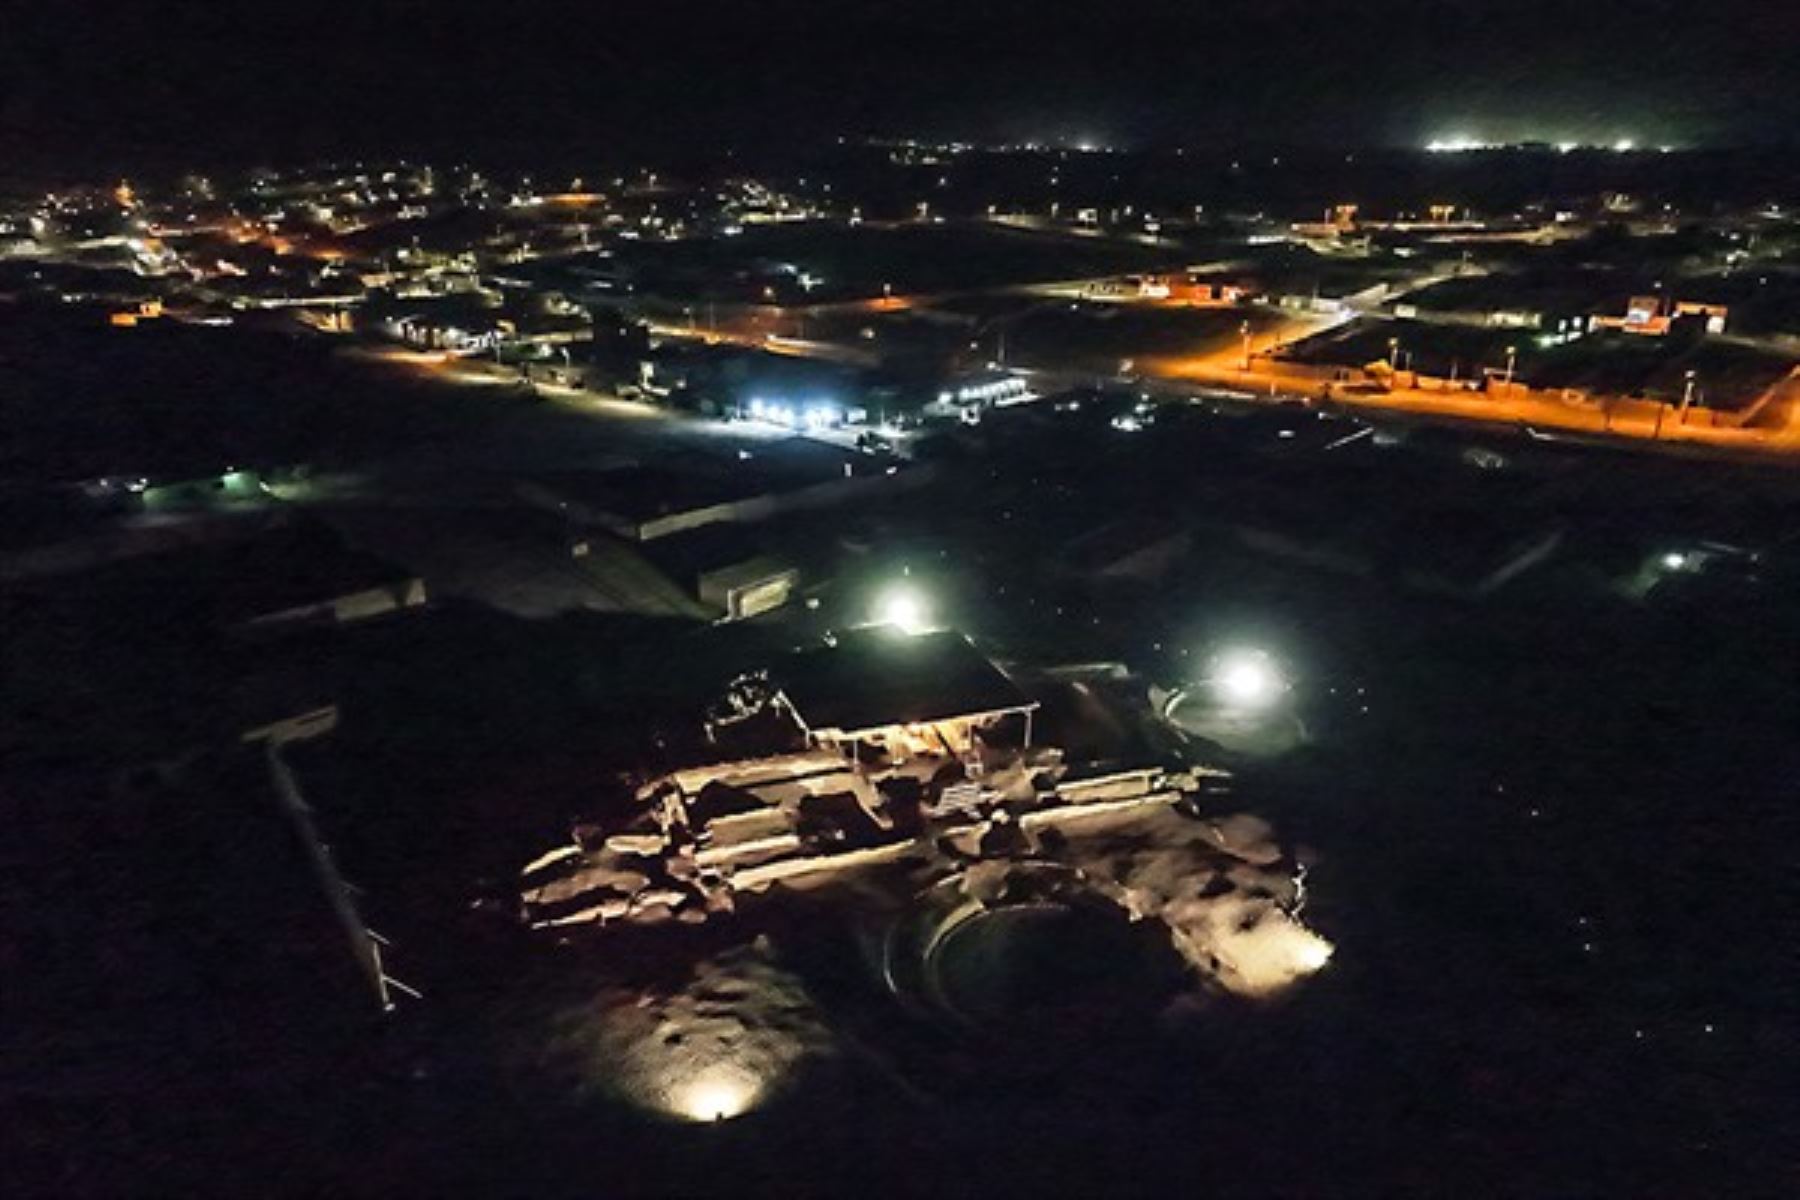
(1252, 732)
(1046, 945)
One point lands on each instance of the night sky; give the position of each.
(89, 81)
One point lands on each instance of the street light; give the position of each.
(1246, 680)
(905, 608)
(1241, 703)
(1687, 398)
(1512, 358)
(1245, 330)
(1393, 354)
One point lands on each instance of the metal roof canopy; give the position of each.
(877, 678)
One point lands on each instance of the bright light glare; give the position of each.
(1247, 679)
(903, 607)
(1271, 956)
(716, 1094)
(1312, 954)
(1674, 561)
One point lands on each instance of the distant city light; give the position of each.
(777, 413)
(1457, 145)
(1461, 144)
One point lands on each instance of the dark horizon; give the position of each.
(105, 82)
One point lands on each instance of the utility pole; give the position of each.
(1687, 398)
(1512, 358)
(1245, 330)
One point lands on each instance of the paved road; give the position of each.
(1223, 367)
(1518, 406)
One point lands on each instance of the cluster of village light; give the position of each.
(1463, 144)
(1001, 392)
(813, 417)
